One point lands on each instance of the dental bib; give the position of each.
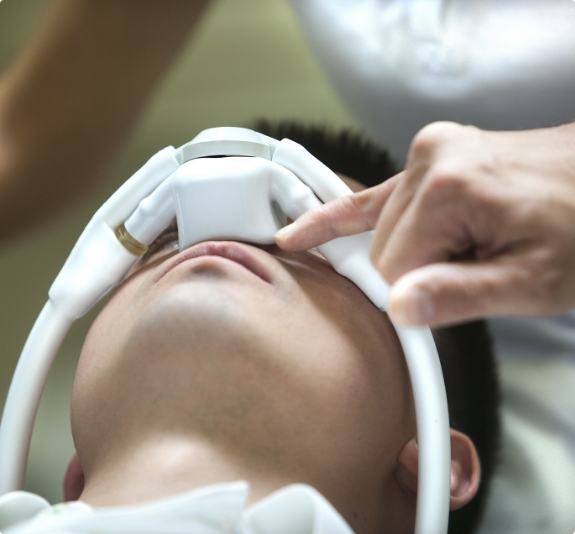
(225, 184)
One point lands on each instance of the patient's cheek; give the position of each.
(101, 352)
(116, 317)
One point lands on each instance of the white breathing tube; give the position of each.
(215, 198)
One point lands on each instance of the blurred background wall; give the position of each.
(247, 60)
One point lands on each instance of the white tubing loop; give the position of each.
(90, 272)
(291, 194)
(433, 436)
(153, 214)
(25, 392)
(320, 178)
(97, 260)
(128, 196)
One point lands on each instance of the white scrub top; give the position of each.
(401, 64)
(215, 509)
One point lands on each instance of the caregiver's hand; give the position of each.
(479, 224)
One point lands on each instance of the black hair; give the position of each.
(465, 350)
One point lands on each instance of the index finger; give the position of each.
(344, 216)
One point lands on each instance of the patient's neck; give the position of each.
(164, 465)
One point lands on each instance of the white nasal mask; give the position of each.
(231, 184)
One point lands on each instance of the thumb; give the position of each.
(446, 293)
(343, 216)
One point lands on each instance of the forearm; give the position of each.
(74, 94)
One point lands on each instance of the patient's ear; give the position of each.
(465, 469)
(73, 479)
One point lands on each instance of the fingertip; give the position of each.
(445, 294)
(288, 239)
(284, 244)
(281, 240)
(410, 306)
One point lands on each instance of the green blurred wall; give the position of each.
(247, 60)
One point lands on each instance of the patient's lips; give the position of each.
(230, 250)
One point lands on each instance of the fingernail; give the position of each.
(286, 232)
(414, 307)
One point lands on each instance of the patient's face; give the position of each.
(299, 369)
